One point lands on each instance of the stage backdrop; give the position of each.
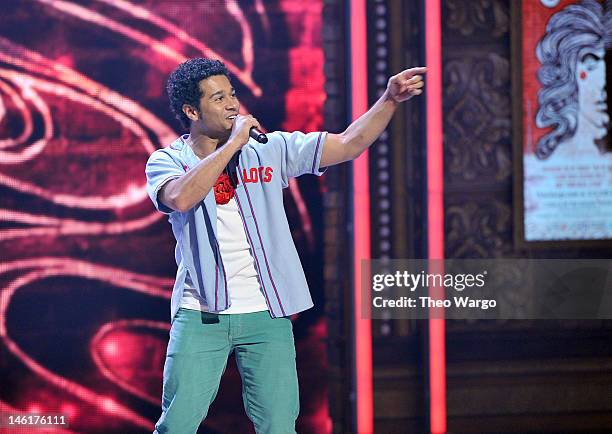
(87, 264)
(566, 48)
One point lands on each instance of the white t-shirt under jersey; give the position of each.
(242, 282)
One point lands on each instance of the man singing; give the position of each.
(239, 276)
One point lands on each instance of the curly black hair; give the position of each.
(182, 86)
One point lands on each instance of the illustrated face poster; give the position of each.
(567, 151)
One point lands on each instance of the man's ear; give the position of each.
(191, 112)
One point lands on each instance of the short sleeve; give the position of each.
(301, 154)
(160, 169)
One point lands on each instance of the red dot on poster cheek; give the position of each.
(583, 75)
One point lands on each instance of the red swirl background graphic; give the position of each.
(87, 264)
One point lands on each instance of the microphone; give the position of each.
(258, 135)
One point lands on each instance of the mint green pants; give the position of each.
(198, 350)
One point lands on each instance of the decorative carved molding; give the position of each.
(478, 228)
(467, 16)
(478, 122)
(477, 129)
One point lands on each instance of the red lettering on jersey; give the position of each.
(257, 174)
(254, 175)
(268, 176)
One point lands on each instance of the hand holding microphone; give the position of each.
(246, 126)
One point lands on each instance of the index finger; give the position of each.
(414, 71)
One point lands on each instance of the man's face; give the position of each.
(218, 106)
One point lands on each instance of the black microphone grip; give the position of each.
(258, 135)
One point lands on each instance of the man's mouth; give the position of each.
(232, 117)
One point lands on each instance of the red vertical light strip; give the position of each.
(361, 221)
(435, 215)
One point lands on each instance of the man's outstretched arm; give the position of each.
(365, 130)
